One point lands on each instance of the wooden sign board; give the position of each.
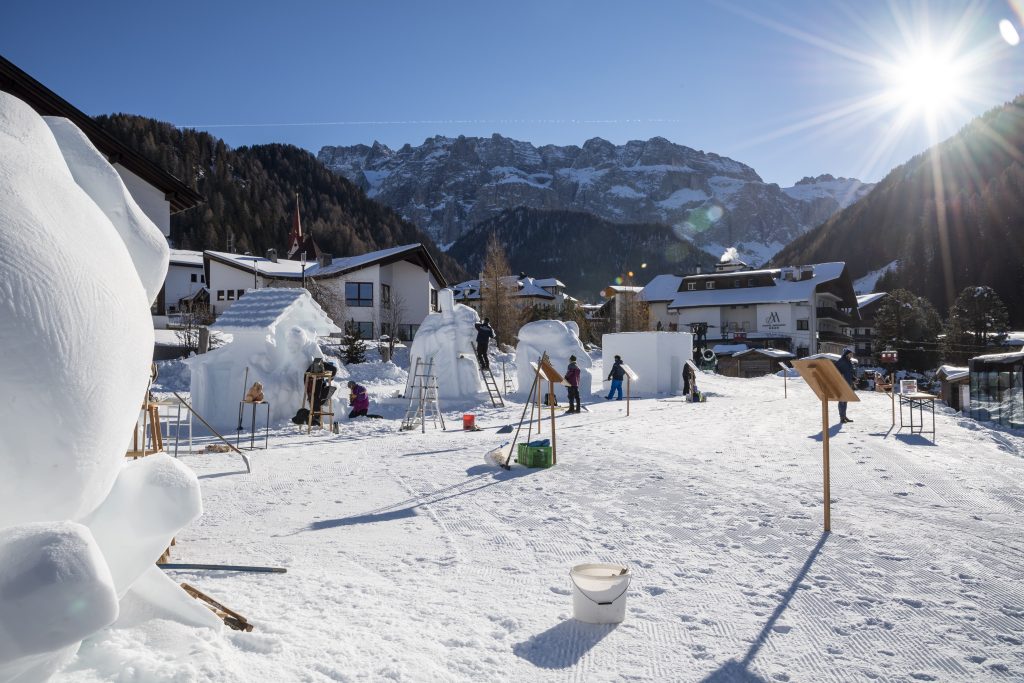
(823, 377)
(548, 372)
(629, 372)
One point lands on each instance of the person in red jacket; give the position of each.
(572, 376)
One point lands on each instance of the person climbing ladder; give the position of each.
(484, 333)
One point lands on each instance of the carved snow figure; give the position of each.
(80, 529)
(447, 337)
(560, 340)
(274, 334)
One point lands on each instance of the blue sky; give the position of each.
(764, 82)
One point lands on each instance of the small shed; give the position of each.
(997, 388)
(274, 335)
(752, 362)
(656, 357)
(956, 387)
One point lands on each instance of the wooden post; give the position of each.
(785, 380)
(551, 401)
(825, 467)
(892, 397)
(627, 395)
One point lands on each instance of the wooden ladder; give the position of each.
(423, 401)
(492, 388)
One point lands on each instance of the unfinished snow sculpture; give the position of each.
(560, 340)
(447, 337)
(73, 291)
(274, 333)
(656, 357)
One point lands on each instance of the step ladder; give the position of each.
(492, 388)
(506, 380)
(423, 404)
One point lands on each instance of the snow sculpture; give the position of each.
(274, 333)
(448, 338)
(560, 340)
(656, 357)
(79, 266)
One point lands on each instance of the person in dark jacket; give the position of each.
(845, 367)
(572, 376)
(689, 380)
(484, 333)
(616, 375)
(358, 399)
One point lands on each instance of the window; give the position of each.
(365, 330)
(803, 324)
(195, 277)
(737, 283)
(240, 292)
(220, 295)
(407, 332)
(690, 286)
(359, 294)
(710, 285)
(231, 295)
(385, 297)
(433, 301)
(750, 282)
(202, 278)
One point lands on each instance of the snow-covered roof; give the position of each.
(661, 288)
(950, 372)
(470, 289)
(771, 353)
(529, 287)
(293, 270)
(866, 299)
(184, 257)
(728, 349)
(618, 289)
(549, 282)
(1001, 357)
(783, 291)
(831, 356)
(265, 308)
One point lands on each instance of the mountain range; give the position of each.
(449, 185)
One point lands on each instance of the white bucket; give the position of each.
(599, 592)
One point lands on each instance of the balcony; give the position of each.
(835, 314)
(827, 336)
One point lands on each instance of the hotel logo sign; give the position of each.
(774, 319)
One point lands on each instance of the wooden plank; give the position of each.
(229, 616)
(823, 377)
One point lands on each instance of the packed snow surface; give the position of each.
(409, 559)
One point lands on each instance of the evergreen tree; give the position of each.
(353, 348)
(977, 320)
(909, 324)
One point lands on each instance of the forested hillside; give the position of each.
(585, 252)
(953, 216)
(250, 195)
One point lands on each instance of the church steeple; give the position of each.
(298, 243)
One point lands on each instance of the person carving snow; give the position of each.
(572, 376)
(484, 333)
(358, 399)
(616, 375)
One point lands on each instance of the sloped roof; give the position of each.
(783, 291)
(470, 289)
(285, 269)
(661, 288)
(265, 308)
(184, 257)
(47, 103)
(867, 299)
(771, 353)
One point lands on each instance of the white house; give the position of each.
(523, 291)
(374, 291)
(658, 294)
(274, 336)
(185, 281)
(802, 309)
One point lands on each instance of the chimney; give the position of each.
(272, 255)
(325, 259)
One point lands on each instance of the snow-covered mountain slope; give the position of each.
(448, 185)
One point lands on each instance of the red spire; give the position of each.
(295, 237)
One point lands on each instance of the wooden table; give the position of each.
(920, 401)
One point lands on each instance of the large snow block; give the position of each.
(559, 340)
(656, 357)
(447, 338)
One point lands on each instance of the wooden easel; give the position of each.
(630, 376)
(546, 371)
(824, 379)
(309, 384)
(151, 416)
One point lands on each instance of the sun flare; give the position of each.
(928, 82)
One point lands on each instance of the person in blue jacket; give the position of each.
(616, 375)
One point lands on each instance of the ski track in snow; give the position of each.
(410, 559)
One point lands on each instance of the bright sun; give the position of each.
(927, 82)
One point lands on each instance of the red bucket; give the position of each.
(469, 422)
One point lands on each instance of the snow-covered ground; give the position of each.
(410, 559)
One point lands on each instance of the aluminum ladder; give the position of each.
(423, 403)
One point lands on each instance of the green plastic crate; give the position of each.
(534, 456)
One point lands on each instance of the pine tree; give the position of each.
(977, 320)
(911, 325)
(353, 348)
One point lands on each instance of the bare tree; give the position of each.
(632, 311)
(391, 314)
(193, 319)
(496, 293)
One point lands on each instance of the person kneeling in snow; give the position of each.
(358, 399)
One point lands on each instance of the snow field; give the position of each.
(410, 559)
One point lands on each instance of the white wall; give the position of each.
(179, 283)
(657, 357)
(224, 277)
(710, 315)
(413, 285)
(151, 200)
